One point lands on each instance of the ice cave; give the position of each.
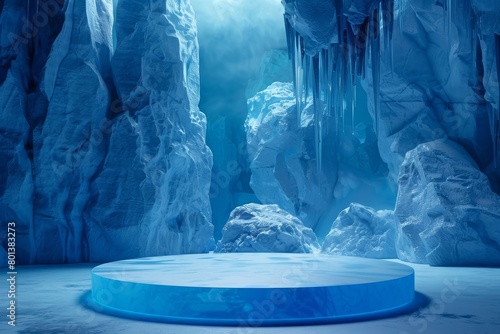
(250, 166)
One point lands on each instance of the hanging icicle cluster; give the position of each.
(331, 75)
(496, 118)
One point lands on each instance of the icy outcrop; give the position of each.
(155, 67)
(22, 109)
(447, 211)
(433, 86)
(362, 231)
(282, 155)
(265, 228)
(76, 83)
(106, 152)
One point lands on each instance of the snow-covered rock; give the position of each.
(362, 231)
(282, 155)
(265, 228)
(447, 211)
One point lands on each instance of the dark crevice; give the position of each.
(479, 86)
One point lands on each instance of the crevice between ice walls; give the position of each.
(24, 49)
(106, 155)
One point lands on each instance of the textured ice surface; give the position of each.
(155, 67)
(22, 107)
(434, 76)
(441, 81)
(105, 159)
(265, 228)
(362, 231)
(447, 211)
(67, 152)
(281, 154)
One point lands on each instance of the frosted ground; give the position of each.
(461, 300)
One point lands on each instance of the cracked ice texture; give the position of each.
(265, 228)
(119, 167)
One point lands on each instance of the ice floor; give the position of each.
(50, 300)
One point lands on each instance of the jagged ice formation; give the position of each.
(102, 137)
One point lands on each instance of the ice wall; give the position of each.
(430, 70)
(106, 152)
(440, 79)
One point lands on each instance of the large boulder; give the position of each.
(362, 231)
(448, 213)
(265, 228)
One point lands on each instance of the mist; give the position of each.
(233, 36)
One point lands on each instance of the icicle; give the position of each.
(353, 106)
(352, 52)
(339, 9)
(361, 42)
(307, 75)
(387, 8)
(497, 53)
(496, 111)
(494, 119)
(332, 73)
(290, 35)
(401, 11)
(446, 16)
(299, 75)
(375, 61)
(318, 112)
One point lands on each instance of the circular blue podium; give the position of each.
(252, 289)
